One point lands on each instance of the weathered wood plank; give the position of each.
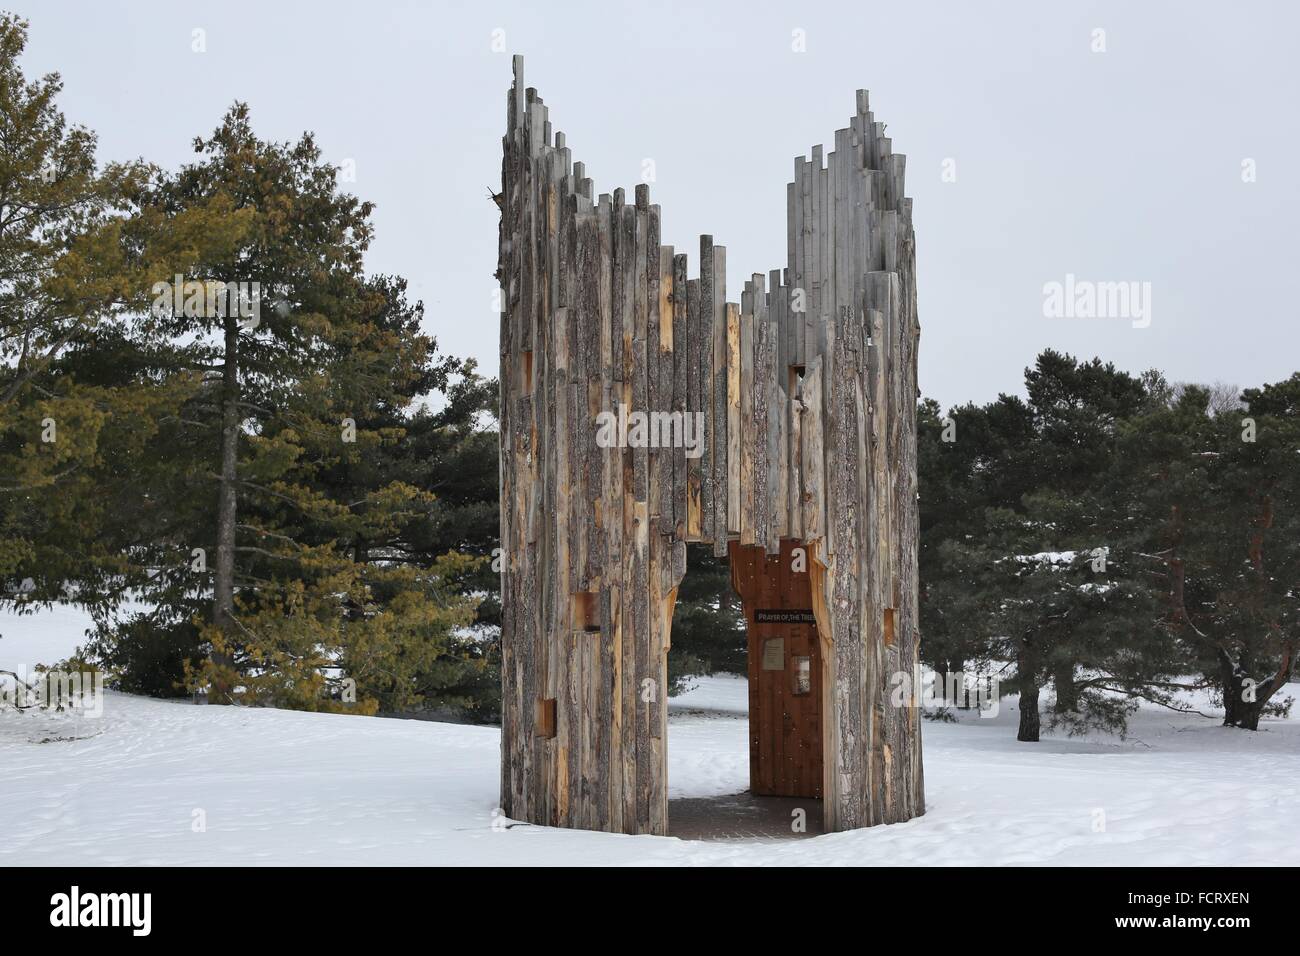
(719, 442)
(794, 488)
(763, 372)
(616, 253)
(733, 419)
(637, 511)
(681, 360)
(775, 451)
(813, 463)
(707, 386)
(749, 444)
(592, 334)
(654, 402)
(666, 457)
(845, 600)
(630, 581)
(695, 464)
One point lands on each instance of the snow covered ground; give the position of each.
(132, 787)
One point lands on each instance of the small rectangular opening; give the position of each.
(546, 717)
(794, 380)
(802, 677)
(586, 611)
(527, 370)
(889, 626)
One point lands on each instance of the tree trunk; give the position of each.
(1027, 672)
(1067, 698)
(944, 671)
(1238, 711)
(1029, 720)
(223, 605)
(958, 667)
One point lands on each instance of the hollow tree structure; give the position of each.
(640, 410)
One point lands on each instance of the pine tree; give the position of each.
(1028, 552)
(708, 625)
(67, 275)
(1221, 501)
(270, 525)
(973, 459)
(451, 452)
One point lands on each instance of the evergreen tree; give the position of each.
(1220, 496)
(272, 522)
(708, 624)
(974, 459)
(1030, 556)
(67, 275)
(452, 453)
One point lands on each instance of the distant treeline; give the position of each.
(1118, 537)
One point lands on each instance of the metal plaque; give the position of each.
(774, 654)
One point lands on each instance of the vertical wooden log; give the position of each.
(749, 444)
(507, 276)
(585, 359)
(681, 361)
(818, 270)
(640, 582)
(801, 229)
(826, 227)
(610, 505)
(795, 488)
(570, 455)
(763, 371)
(733, 419)
(664, 395)
(630, 582)
(696, 406)
(845, 601)
(794, 223)
(654, 403)
(659, 345)
(813, 463)
(720, 482)
(707, 385)
(785, 373)
(527, 504)
(776, 446)
(619, 304)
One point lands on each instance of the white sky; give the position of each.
(1122, 165)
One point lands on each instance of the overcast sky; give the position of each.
(1122, 165)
